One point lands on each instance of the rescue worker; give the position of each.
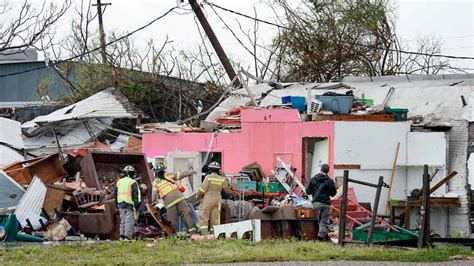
(210, 191)
(173, 198)
(127, 198)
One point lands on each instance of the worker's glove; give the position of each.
(199, 195)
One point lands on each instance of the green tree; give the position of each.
(327, 39)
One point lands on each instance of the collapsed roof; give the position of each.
(78, 124)
(438, 99)
(109, 103)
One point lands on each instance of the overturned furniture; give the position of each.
(49, 169)
(88, 197)
(101, 169)
(103, 223)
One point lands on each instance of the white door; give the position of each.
(320, 155)
(186, 161)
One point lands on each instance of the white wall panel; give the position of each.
(426, 148)
(370, 144)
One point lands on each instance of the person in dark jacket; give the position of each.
(321, 188)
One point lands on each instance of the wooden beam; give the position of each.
(343, 210)
(394, 166)
(374, 117)
(347, 166)
(443, 181)
(424, 234)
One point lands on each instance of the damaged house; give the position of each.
(77, 125)
(438, 133)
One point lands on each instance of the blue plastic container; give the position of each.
(286, 99)
(337, 104)
(297, 102)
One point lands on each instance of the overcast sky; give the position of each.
(452, 21)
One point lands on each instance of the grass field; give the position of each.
(173, 251)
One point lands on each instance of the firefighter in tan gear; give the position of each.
(173, 198)
(210, 191)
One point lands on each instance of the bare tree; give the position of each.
(28, 26)
(165, 83)
(424, 62)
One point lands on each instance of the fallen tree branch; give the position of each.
(224, 94)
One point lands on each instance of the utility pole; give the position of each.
(215, 42)
(101, 29)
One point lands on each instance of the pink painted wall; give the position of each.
(265, 134)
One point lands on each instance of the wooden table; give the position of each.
(435, 202)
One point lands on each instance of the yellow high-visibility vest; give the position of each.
(164, 187)
(124, 190)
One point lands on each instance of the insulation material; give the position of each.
(31, 203)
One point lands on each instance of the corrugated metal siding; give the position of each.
(32, 201)
(23, 87)
(108, 103)
(70, 137)
(458, 147)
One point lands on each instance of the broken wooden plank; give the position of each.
(443, 181)
(347, 166)
(49, 169)
(374, 117)
(392, 176)
(165, 225)
(54, 199)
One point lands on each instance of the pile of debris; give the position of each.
(51, 205)
(57, 177)
(58, 183)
